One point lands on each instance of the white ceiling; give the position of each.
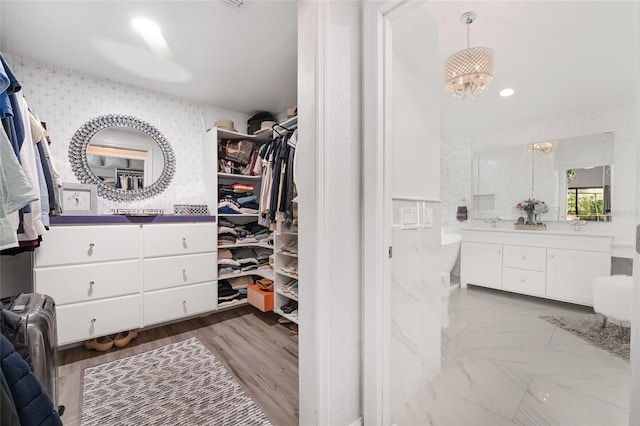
(243, 59)
(561, 57)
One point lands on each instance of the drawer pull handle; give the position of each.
(184, 302)
(93, 320)
(184, 274)
(91, 283)
(184, 242)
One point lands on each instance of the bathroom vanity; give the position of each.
(556, 265)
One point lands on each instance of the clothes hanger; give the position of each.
(281, 126)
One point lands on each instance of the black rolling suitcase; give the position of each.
(39, 333)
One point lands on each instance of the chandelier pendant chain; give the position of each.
(468, 32)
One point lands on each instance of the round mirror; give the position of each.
(126, 158)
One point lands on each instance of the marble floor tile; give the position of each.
(502, 364)
(546, 403)
(490, 384)
(438, 407)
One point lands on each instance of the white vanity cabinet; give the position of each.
(570, 273)
(554, 265)
(110, 278)
(483, 264)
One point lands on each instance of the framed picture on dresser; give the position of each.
(79, 199)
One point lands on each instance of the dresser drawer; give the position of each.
(165, 272)
(82, 283)
(524, 281)
(176, 239)
(532, 258)
(82, 321)
(64, 245)
(181, 302)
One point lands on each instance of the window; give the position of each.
(586, 204)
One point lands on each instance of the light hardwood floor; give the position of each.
(260, 353)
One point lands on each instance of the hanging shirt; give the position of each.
(15, 192)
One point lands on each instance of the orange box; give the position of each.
(261, 299)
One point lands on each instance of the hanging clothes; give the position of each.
(29, 183)
(276, 162)
(15, 192)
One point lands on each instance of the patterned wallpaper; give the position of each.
(456, 155)
(66, 99)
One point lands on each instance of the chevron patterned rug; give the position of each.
(177, 384)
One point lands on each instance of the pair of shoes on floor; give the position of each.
(291, 306)
(104, 343)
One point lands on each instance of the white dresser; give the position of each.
(116, 277)
(554, 265)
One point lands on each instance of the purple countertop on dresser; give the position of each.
(121, 219)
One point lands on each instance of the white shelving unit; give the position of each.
(264, 273)
(214, 178)
(283, 258)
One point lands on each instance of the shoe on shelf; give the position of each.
(294, 290)
(287, 306)
(290, 247)
(291, 268)
(287, 287)
(124, 338)
(101, 344)
(290, 307)
(295, 313)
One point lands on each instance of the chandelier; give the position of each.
(547, 146)
(469, 72)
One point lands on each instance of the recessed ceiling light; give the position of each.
(506, 92)
(150, 32)
(145, 26)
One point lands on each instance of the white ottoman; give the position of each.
(613, 298)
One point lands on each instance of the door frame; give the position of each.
(377, 56)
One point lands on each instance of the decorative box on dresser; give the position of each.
(555, 265)
(119, 273)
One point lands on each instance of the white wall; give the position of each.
(415, 174)
(329, 94)
(456, 163)
(66, 99)
(416, 109)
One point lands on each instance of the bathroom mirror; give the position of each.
(125, 157)
(501, 178)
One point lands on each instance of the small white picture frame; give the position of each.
(79, 199)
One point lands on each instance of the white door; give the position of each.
(401, 175)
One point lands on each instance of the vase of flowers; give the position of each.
(533, 209)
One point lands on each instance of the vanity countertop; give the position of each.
(569, 232)
(122, 219)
